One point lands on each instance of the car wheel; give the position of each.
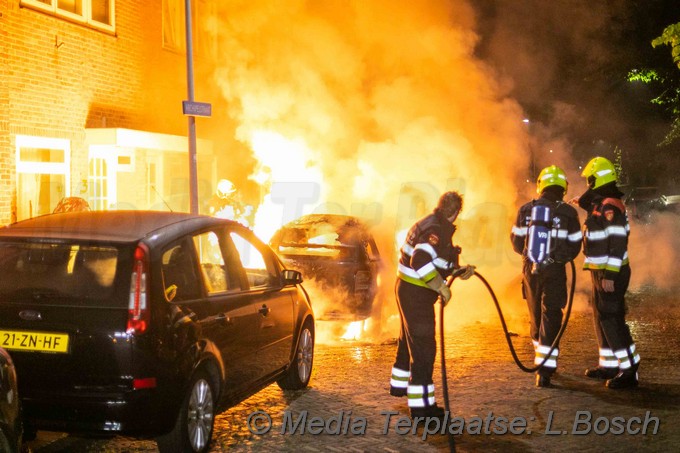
(194, 426)
(299, 372)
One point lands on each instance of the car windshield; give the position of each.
(57, 271)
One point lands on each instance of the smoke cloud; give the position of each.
(374, 108)
(382, 105)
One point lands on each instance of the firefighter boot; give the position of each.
(625, 379)
(599, 372)
(427, 412)
(543, 380)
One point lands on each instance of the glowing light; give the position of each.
(279, 159)
(325, 239)
(353, 331)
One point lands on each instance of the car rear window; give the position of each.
(58, 271)
(318, 241)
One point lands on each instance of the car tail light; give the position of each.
(138, 306)
(145, 383)
(362, 281)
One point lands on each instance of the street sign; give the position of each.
(196, 108)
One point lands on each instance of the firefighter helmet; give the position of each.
(450, 203)
(598, 172)
(551, 176)
(225, 188)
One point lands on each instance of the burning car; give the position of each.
(337, 252)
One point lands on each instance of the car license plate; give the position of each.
(34, 341)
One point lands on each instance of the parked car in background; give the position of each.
(147, 324)
(71, 204)
(644, 202)
(11, 427)
(340, 253)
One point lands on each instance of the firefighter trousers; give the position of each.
(417, 347)
(546, 296)
(609, 313)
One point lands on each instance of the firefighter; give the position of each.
(426, 259)
(545, 252)
(606, 233)
(227, 204)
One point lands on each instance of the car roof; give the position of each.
(335, 220)
(115, 226)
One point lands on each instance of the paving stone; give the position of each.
(351, 381)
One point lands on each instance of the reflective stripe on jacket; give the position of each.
(606, 232)
(428, 251)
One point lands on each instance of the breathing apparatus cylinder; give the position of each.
(538, 236)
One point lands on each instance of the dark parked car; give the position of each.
(340, 253)
(644, 203)
(10, 408)
(147, 324)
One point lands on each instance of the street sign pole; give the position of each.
(193, 173)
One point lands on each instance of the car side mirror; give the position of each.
(291, 277)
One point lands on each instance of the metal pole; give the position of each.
(193, 177)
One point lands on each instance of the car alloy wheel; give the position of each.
(298, 373)
(305, 354)
(200, 414)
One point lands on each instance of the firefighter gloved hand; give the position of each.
(438, 285)
(469, 272)
(445, 294)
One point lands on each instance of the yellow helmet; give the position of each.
(598, 172)
(225, 188)
(551, 176)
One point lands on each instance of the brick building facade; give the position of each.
(91, 105)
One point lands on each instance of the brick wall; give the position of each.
(60, 77)
(6, 168)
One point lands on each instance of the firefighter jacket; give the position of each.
(428, 251)
(565, 230)
(606, 231)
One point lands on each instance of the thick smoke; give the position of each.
(566, 62)
(375, 108)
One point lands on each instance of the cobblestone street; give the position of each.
(350, 384)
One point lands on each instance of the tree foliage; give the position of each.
(670, 37)
(667, 80)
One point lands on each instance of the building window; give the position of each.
(43, 176)
(97, 13)
(203, 19)
(99, 199)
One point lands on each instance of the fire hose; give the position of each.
(563, 327)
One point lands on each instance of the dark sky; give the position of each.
(567, 62)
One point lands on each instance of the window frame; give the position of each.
(188, 244)
(85, 19)
(271, 263)
(204, 45)
(234, 273)
(28, 167)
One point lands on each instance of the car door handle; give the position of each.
(264, 311)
